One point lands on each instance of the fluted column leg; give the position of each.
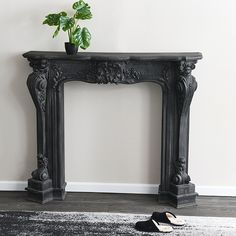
(40, 185)
(182, 189)
(177, 188)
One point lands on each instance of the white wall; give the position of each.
(113, 132)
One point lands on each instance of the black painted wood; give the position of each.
(172, 71)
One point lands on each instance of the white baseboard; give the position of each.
(227, 191)
(13, 185)
(89, 187)
(121, 188)
(112, 188)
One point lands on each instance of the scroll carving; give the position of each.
(181, 177)
(41, 173)
(186, 86)
(37, 83)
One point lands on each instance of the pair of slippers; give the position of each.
(153, 224)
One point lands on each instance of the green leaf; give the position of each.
(82, 37)
(67, 23)
(57, 31)
(54, 19)
(63, 13)
(82, 10)
(78, 5)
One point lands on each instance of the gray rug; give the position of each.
(74, 223)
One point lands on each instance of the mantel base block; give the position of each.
(179, 195)
(59, 193)
(40, 191)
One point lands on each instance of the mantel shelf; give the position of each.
(169, 56)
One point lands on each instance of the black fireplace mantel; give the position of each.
(172, 71)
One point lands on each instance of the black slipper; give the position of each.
(168, 218)
(152, 226)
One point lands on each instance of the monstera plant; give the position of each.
(78, 37)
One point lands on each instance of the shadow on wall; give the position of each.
(155, 130)
(25, 118)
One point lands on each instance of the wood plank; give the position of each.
(123, 203)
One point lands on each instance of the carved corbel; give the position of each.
(186, 86)
(37, 85)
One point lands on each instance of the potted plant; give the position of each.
(78, 37)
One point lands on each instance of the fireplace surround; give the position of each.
(172, 71)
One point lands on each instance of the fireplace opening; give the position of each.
(113, 133)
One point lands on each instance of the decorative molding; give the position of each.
(164, 76)
(107, 72)
(114, 73)
(181, 177)
(227, 191)
(99, 73)
(37, 83)
(56, 75)
(41, 173)
(186, 86)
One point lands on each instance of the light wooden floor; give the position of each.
(124, 203)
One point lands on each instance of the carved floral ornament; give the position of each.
(100, 73)
(107, 72)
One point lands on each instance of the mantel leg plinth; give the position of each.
(59, 193)
(40, 191)
(179, 195)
